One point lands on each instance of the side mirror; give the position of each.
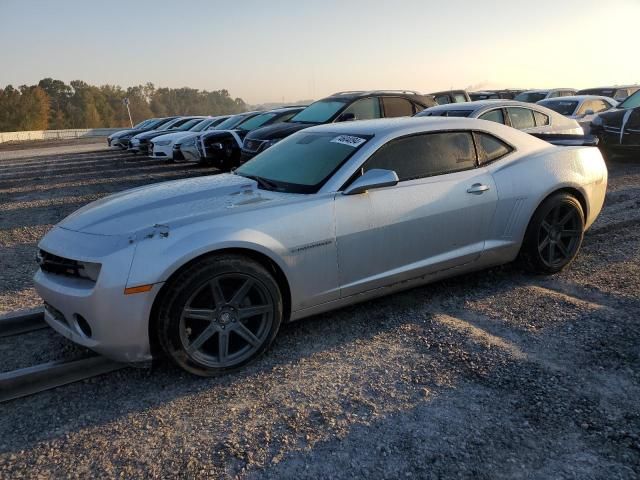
(347, 117)
(376, 178)
(588, 112)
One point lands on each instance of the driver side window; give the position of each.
(425, 155)
(365, 109)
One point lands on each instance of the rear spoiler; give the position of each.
(565, 140)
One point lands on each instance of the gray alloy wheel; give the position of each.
(554, 234)
(559, 235)
(226, 320)
(219, 314)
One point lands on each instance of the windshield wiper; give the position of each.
(262, 182)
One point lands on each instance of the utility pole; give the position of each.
(125, 100)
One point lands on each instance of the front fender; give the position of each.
(158, 257)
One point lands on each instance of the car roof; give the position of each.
(578, 98)
(478, 104)
(285, 109)
(399, 125)
(543, 90)
(353, 94)
(610, 87)
(445, 92)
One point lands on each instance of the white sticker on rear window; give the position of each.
(349, 140)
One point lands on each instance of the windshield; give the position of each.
(255, 122)
(483, 96)
(189, 123)
(303, 162)
(231, 122)
(201, 125)
(632, 102)
(156, 123)
(167, 125)
(605, 92)
(175, 124)
(563, 107)
(319, 112)
(144, 123)
(531, 97)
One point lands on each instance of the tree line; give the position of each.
(54, 105)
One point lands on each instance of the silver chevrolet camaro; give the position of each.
(205, 270)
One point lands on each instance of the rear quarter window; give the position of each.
(490, 148)
(541, 119)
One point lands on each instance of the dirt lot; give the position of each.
(493, 375)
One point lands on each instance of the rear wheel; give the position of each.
(554, 235)
(219, 315)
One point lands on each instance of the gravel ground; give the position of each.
(494, 375)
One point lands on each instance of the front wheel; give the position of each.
(554, 235)
(219, 315)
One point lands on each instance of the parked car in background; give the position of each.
(534, 96)
(162, 146)
(618, 93)
(535, 119)
(205, 270)
(582, 108)
(140, 142)
(339, 107)
(121, 139)
(619, 129)
(494, 95)
(187, 150)
(222, 148)
(451, 96)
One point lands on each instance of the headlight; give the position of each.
(89, 270)
(162, 143)
(270, 143)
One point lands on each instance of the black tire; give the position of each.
(554, 235)
(221, 298)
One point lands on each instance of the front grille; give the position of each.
(54, 264)
(67, 267)
(252, 145)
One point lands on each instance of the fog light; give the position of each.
(83, 325)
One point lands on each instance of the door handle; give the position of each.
(478, 188)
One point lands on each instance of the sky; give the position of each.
(288, 50)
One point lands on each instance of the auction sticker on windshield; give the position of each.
(349, 140)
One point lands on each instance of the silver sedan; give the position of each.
(581, 108)
(205, 270)
(534, 119)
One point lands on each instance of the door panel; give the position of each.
(631, 135)
(418, 227)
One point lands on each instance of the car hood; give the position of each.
(214, 135)
(176, 136)
(171, 204)
(152, 134)
(277, 131)
(120, 133)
